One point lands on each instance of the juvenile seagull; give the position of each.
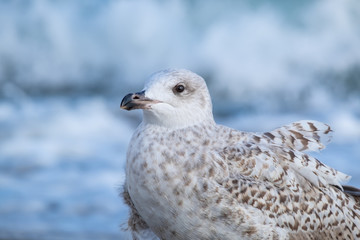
(189, 178)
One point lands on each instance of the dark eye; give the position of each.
(179, 88)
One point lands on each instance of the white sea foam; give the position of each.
(245, 50)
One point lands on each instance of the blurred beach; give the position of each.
(66, 65)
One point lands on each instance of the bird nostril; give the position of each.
(136, 97)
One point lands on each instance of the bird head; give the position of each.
(172, 98)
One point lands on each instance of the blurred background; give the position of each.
(65, 66)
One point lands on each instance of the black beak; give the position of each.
(136, 101)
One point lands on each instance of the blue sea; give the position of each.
(65, 66)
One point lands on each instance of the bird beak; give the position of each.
(136, 101)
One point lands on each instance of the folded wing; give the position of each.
(279, 156)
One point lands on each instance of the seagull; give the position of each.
(190, 178)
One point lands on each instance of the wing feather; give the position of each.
(278, 156)
(303, 135)
(294, 190)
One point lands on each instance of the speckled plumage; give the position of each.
(189, 178)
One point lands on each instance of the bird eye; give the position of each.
(179, 88)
